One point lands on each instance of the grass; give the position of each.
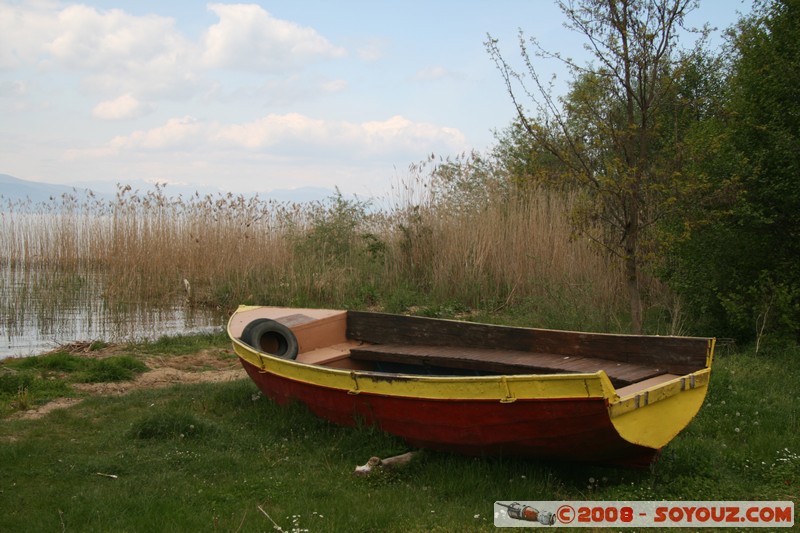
(180, 344)
(221, 457)
(79, 369)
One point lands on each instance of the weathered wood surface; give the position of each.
(503, 361)
(376, 464)
(676, 355)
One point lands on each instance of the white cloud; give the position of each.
(248, 37)
(89, 39)
(124, 107)
(112, 51)
(400, 130)
(289, 135)
(251, 95)
(23, 31)
(295, 133)
(272, 130)
(122, 53)
(274, 151)
(185, 133)
(115, 53)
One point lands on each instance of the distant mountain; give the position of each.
(15, 189)
(300, 195)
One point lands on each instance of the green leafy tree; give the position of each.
(742, 268)
(607, 134)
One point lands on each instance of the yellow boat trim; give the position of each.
(501, 388)
(654, 417)
(712, 343)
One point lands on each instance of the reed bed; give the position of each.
(427, 252)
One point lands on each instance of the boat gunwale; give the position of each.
(407, 376)
(617, 404)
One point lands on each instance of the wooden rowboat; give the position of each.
(479, 389)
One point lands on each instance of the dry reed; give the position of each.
(504, 251)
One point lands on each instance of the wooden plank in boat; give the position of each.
(645, 384)
(328, 354)
(502, 361)
(297, 319)
(677, 355)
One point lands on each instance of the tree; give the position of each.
(743, 267)
(606, 132)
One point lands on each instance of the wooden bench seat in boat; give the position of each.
(503, 361)
(643, 385)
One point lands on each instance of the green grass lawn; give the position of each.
(221, 457)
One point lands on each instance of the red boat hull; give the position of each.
(564, 428)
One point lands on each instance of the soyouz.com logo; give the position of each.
(644, 514)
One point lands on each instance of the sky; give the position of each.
(254, 97)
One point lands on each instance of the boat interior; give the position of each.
(423, 346)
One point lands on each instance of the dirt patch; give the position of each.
(161, 377)
(206, 366)
(39, 412)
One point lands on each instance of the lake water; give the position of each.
(41, 310)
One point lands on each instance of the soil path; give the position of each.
(206, 366)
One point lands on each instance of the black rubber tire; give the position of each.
(271, 337)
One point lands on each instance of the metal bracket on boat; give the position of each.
(692, 383)
(509, 398)
(641, 400)
(355, 389)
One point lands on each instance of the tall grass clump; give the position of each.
(80, 369)
(470, 241)
(451, 239)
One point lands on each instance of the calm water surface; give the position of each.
(41, 310)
